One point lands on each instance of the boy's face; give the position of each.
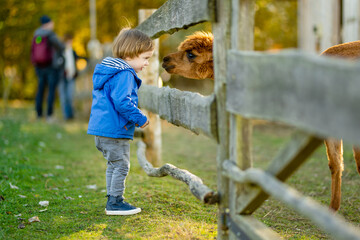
(141, 61)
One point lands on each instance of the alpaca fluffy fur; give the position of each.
(194, 58)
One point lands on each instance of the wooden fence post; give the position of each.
(221, 31)
(150, 76)
(350, 20)
(318, 24)
(242, 38)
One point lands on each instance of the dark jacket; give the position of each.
(114, 110)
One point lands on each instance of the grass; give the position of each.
(58, 163)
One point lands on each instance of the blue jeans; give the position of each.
(47, 76)
(66, 92)
(117, 154)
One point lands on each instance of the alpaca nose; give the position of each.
(166, 59)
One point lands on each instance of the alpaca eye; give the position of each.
(190, 56)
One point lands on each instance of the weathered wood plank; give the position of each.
(242, 38)
(333, 224)
(317, 94)
(222, 43)
(178, 14)
(189, 110)
(319, 24)
(248, 227)
(286, 162)
(197, 188)
(350, 20)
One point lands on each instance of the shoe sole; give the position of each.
(123, 213)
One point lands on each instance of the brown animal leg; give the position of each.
(334, 152)
(356, 150)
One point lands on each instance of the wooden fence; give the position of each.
(317, 95)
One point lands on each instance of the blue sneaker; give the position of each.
(117, 206)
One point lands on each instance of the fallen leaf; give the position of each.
(13, 186)
(44, 203)
(22, 196)
(58, 135)
(43, 210)
(48, 175)
(91, 187)
(83, 212)
(59, 167)
(34, 219)
(69, 198)
(18, 215)
(21, 226)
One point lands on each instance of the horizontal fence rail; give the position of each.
(246, 227)
(197, 188)
(288, 159)
(313, 93)
(189, 110)
(178, 14)
(318, 214)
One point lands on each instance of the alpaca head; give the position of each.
(194, 58)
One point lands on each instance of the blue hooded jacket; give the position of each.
(114, 110)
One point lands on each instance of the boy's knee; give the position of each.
(120, 163)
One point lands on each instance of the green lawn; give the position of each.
(60, 164)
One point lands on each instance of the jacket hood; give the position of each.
(108, 68)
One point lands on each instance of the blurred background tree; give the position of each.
(276, 27)
(19, 19)
(275, 24)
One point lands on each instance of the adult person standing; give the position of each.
(46, 55)
(67, 81)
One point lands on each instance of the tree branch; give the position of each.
(197, 188)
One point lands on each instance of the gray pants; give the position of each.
(117, 154)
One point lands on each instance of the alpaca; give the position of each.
(334, 147)
(194, 60)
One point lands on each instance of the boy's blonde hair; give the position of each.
(130, 43)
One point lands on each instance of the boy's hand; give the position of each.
(145, 124)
